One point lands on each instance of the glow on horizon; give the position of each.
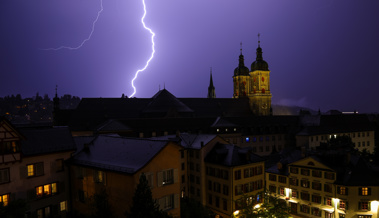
(85, 40)
(152, 46)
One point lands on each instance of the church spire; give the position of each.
(259, 49)
(211, 88)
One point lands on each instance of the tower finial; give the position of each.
(259, 41)
(241, 47)
(56, 91)
(211, 70)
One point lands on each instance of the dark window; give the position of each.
(4, 175)
(294, 170)
(237, 174)
(282, 179)
(271, 177)
(317, 173)
(305, 172)
(316, 199)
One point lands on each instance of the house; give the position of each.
(113, 165)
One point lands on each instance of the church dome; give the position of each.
(259, 63)
(241, 70)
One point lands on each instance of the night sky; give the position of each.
(321, 53)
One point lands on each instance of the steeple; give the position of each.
(56, 107)
(211, 88)
(259, 63)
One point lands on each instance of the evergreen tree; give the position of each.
(143, 203)
(100, 205)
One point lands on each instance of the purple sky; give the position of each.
(321, 53)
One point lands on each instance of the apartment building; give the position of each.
(232, 173)
(32, 168)
(334, 185)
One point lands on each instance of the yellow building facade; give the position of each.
(311, 189)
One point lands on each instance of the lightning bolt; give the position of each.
(152, 46)
(85, 40)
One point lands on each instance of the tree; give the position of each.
(143, 203)
(191, 208)
(264, 205)
(341, 141)
(14, 209)
(100, 205)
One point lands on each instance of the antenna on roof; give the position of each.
(159, 87)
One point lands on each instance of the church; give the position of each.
(252, 84)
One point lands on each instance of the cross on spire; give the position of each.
(259, 41)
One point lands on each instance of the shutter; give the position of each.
(176, 178)
(359, 205)
(161, 203)
(12, 196)
(347, 190)
(39, 169)
(104, 178)
(176, 201)
(55, 209)
(61, 187)
(23, 172)
(152, 180)
(324, 200)
(369, 206)
(346, 205)
(53, 166)
(359, 191)
(160, 179)
(338, 205)
(369, 191)
(31, 194)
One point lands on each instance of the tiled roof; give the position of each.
(120, 154)
(231, 155)
(46, 140)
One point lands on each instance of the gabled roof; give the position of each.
(46, 140)
(165, 102)
(120, 154)
(230, 155)
(192, 141)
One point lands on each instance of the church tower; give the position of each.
(241, 79)
(211, 88)
(260, 95)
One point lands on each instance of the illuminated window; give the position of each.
(46, 189)
(247, 139)
(4, 199)
(364, 191)
(30, 170)
(63, 206)
(54, 189)
(39, 191)
(281, 191)
(99, 176)
(328, 201)
(343, 205)
(342, 190)
(364, 205)
(35, 169)
(294, 194)
(329, 214)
